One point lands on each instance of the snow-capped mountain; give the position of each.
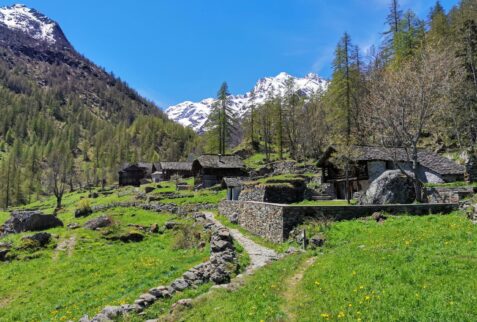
(195, 114)
(20, 21)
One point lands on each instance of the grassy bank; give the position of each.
(90, 271)
(405, 269)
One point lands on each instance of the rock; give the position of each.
(198, 216)
(220, 276)
(99, 222)
(224, 234)
(201, 244)
(379, 217)
(132, 236)
(149, 298)
(180, 284)
(219, 245)
(234, 219)
(83, 212)
(73, 226)
(189, 276)
(41, 239)
(154, 228)
(21, 221)
(317, 240)
(291, 250)
(127, 308)
(160, 292)
(5, 245)
(93, 195)
(85, 318)
(148, 189)
(112, 312)
(3, 254)
(391, 187)
(184, 303)
(171, 225)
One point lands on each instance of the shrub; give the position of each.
(83, 209)
(188, 236)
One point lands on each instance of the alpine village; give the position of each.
(349, 198)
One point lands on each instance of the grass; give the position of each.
(258, 160)
(325, 203)
(46, 285)
(163, 306)
(405, 269)
(457, 184)
(4, 216)
(199, 197)
(260, 299)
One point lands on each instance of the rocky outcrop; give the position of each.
(40, 239)
(392, 187)
(99, 222)
(21, 221)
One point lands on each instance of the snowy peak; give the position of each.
(30, 22)
(195, 115)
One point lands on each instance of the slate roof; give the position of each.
(130, 167)
(232, 182)
(178, 166)
(214, 161)
(433, 161)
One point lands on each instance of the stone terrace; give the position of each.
(275, 221)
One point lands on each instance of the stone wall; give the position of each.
(375, 169)
(274, 221)
(274, 193)
(448, 195)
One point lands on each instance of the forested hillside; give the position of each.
(418, 88)
(66, 123)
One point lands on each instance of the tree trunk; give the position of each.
(58, 201)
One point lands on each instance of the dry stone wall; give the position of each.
(448, 195)
(275, 221)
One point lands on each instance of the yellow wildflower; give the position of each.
(341, 315)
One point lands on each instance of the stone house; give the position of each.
(181, 169)
(233, 186)
(370, 162)
(211, 169)
(136, 173)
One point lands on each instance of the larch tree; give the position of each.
(404, 103)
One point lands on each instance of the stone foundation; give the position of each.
(448, 195)
(275, 221)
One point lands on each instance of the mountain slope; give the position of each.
(195, 114)
(34, 47)
(54, 101)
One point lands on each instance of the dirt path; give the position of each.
(65, 245)
(290, 295)
(259, 255)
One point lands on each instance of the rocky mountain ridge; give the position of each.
(195, 114)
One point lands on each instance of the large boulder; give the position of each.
(41, 239)
(21, 221)
(99, 222)
(391, 187)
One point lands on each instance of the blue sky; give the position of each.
(176, 50)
